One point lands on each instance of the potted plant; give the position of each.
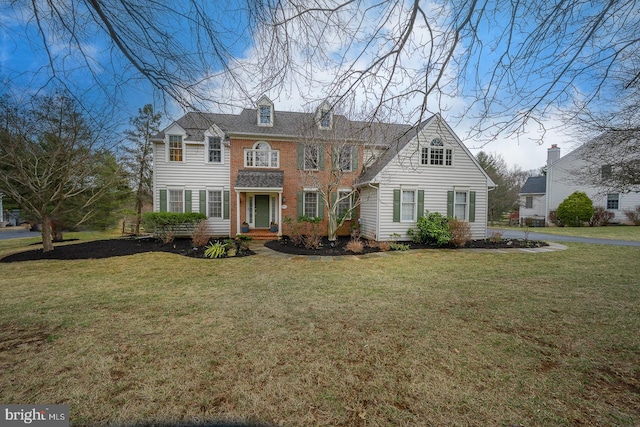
(273, 227)
(245, 227)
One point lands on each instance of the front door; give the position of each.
(262, 211)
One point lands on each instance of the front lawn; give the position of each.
(432, 337)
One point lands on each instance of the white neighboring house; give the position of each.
(428, 168)
(191, 170)
(563, 178)
(533, 201)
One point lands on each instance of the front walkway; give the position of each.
(261, 250)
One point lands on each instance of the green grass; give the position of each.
(621, 232)
(435, 337)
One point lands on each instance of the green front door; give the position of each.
(262, 212)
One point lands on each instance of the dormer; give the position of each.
(324, 116)
(265, 112)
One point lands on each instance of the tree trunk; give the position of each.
(332, 227)
(47, 244)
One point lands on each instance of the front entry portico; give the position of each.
(259, 199)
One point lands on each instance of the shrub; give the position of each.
(460, 232)
(600, 217)
(395, 246)
(575, 209)
(215, 250)
(383, 246)
(355, 245)
(201, 235)
(164, 222)
(553, 218)
(433, 228)
(495, 237)
(167, 237)
(633, 215)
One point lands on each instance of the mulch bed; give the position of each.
(114, 247)
(285, 245)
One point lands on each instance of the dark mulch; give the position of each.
(338, 248)
(114, 247)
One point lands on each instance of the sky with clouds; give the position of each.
(22, 60)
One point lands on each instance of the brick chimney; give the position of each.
(553, 154)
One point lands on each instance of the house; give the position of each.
(576, 171)
(263, 165)
(427, 168)
(533, 201)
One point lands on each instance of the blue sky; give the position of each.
(23, 71)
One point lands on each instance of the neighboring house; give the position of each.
(262, 166)
(533, 201)
(565, 175)
(428, 168)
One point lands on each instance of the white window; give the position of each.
(528, 203)
(176, 201)
(344, 160)
(261, 156)
(613, 201)
(408, 205)
(344, 204)
(265, 115)
(460, 205)
(311, 157)
(175, 148)
(436, 154)
(325, 119)
(310, 204)
(215, 149)
(215, 204)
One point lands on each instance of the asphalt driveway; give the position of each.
(16, 233)
(534, 235)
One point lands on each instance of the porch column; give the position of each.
(237, 212)
(280, 213)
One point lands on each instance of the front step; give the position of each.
(261, 235)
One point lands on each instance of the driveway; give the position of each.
(533, 235)
(16, 233)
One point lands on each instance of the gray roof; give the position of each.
(534, 185)
(392, 151)
(289, 125)
(259, 179)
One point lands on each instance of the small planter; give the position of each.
(244, 227)
(273, 227)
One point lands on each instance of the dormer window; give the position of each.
(265, 112)
(324, 116)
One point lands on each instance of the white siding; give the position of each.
(194, 174)
(562, 182)
(368, 210)
(537, 209)
(405, 170)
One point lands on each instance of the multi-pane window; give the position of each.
(460, 205)
(215, 149)
(325, 119)
(310, 207)
(345, 159)
(265, 115)
(215, 204)
(408, 205)
(528, 203)
(344, 204)
(613, 201)
(176, 201)
(262, 156)
(436, 154)
(311, 157)
(175, 148)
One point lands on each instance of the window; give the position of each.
(325, 119)
(436, 154)
(175, 148)
(344, 204)
(311, 157)
(613, 201)
(310, 207)
(605, 171)
(262, 156)
(460, 206)
(344, 162)
(176, 201)
(528, 203)
(215, 204)
(408, 205)
(265, 115)
(215, 149)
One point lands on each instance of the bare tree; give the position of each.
(138, 156)
(48, 158)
